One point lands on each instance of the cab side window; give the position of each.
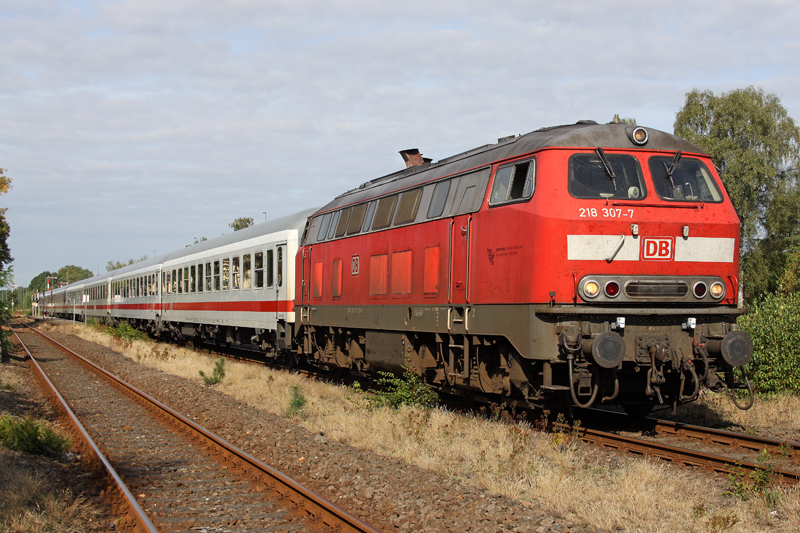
(514, 183)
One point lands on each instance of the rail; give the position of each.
(318, 511)
(124, 502)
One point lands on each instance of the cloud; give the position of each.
(137, 125)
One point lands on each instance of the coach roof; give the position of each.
(585, 133)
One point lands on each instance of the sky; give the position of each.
(133, 128)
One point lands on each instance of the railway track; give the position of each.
(736, 456)
(171, 474)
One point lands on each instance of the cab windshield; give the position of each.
(590, 178)
(690, 181)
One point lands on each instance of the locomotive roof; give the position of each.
(585, 133)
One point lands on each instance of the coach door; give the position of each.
(280, 289)
(460, 228)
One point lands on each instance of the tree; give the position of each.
(115, 265)
(72, 273)
(6, 272)
(5, 253)
(756, 147)
(241, 223)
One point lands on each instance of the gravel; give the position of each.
(387, 493)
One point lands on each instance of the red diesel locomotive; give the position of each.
(585, 263)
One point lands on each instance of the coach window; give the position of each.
(334, 224)
(439, 199)
(235, 273)
(216, 276)
(407, 211)
(356, 219)
(513, 182)
(280, 266)
(370, 213)
(258, 270)
(209, 276)
(174, 282)
(600, 175)
(185, 279)
(323, 227)
(336, 284)
(226, 274)
(180, 281)
(270, 270)
(200, 278)
(383, 215)
(193, 279)
(246, 271)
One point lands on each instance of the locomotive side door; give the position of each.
(460, 227)
(305, 282)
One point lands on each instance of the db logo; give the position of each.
(354, 265)
(657, 248)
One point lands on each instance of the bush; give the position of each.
(407, 389)
(125, 331)
(774, 325)
(31, 436)
(217, 375)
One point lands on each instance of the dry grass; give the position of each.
(28, 504)
(551, 471)
(775, 414)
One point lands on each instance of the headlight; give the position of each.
(717, 290)
(591, 288)
(638, 135)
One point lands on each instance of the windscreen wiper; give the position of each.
(672, 167)
(607, 165)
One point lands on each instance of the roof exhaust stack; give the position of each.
(413, 158)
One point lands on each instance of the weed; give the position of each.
(758, 482)
(31, 436)
(296, 404)
(722, 522)
(217, 375)
(407, 389)
(699, 510)
(163, 354)
(565, 436)
(8, 386)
